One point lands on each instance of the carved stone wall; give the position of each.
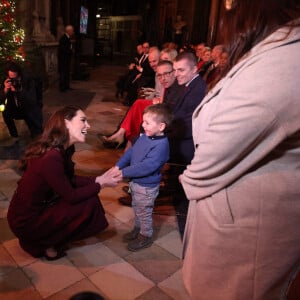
(41, 21)
(40, 45)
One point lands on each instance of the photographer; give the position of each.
(23, 100)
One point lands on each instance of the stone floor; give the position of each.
(101, 263)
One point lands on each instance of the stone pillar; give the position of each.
(47, 14)
(33, 59)
(213, 22)
(40, 45)
(24, 18)
(41, 22)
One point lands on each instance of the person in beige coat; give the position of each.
(242, 237)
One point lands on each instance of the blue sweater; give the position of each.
(142, 163)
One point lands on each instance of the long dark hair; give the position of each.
(248, 22)
(55, 135)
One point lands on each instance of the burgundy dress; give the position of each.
(51, 206)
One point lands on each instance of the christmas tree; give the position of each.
(11, 37)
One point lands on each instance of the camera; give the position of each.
(16, 83)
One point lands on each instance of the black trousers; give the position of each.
(64, 75)
(33, 119)
(174, 187)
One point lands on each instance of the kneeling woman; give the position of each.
(51, 206)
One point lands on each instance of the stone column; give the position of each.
(47, 14)
(24, 18)
(213, 21)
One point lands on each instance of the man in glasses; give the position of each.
(144, 77)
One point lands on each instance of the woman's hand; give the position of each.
(180, 178)
(157, 100)
(110, 178)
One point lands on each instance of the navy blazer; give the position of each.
(181, 138)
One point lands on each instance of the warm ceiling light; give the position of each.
(228, 4)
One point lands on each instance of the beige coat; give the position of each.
(242, 238)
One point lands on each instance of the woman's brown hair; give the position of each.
(55, 135)
(248, 22)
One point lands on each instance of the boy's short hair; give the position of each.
(162, 112)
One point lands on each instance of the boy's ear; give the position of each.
(162, 126)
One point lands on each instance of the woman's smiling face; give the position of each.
(77, 127)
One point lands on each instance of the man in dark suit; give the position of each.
(64, 58)
(144, 68)
(145, 77)
(181, 140)
(180, 133)
(130, 74)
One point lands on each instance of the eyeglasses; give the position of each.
(167, 74)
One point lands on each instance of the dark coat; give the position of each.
(64, 53)
(26, 103)
(27, 95)
(51, 207)
(173, 95)
(147, 78)
(181, 137)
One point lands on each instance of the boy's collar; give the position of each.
(157, 137)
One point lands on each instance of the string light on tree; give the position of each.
(11, 37)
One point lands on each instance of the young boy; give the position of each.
(142, 164)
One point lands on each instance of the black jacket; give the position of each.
(27, 96)
(180, 133)
(64, 52)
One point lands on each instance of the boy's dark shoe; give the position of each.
(140, 242)
(132, 235)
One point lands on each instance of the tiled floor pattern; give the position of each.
(101, 263)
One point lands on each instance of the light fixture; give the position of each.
(228, 4)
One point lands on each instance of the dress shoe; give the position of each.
(10, 142)
(59, 254)
(125, 200)
(107, 143)
(111, 144)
